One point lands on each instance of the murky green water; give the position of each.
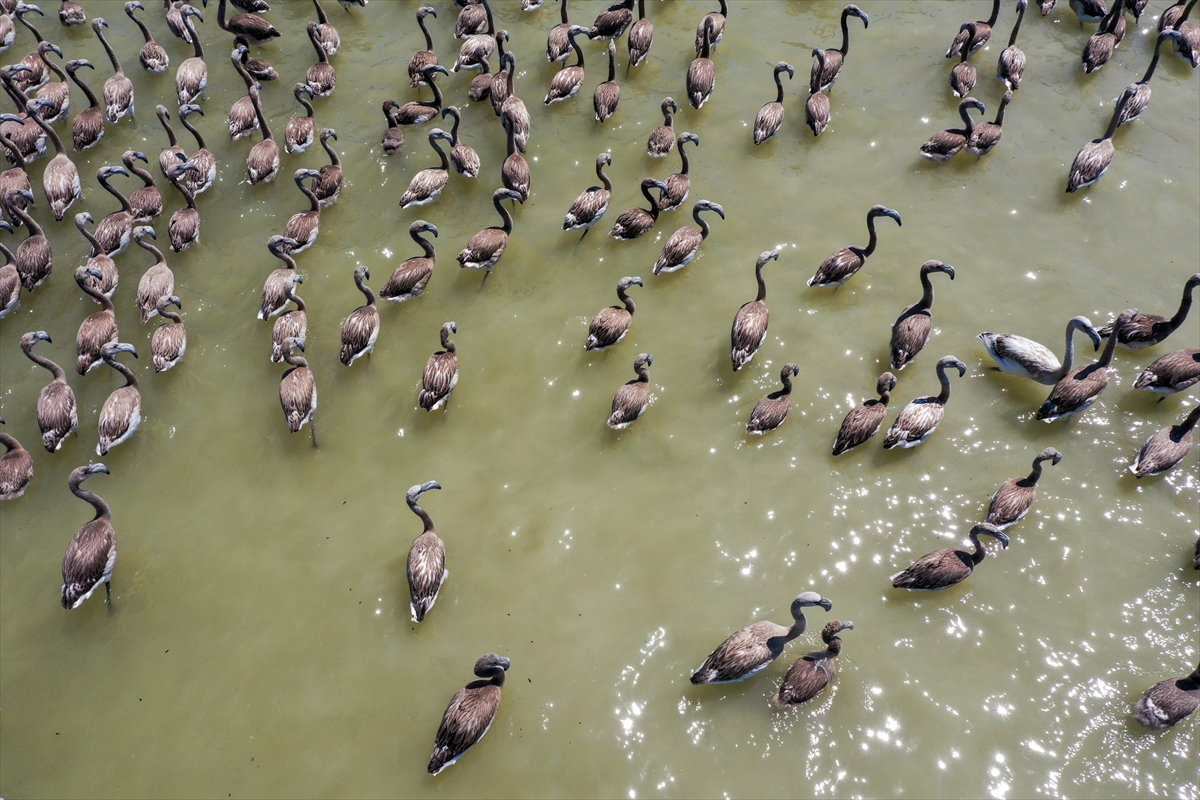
(259, 643)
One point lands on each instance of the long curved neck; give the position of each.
(366, 290)
(846, 34)
(778, 86)
(315, 38)
(1012, 39)
(36, 33)
(683, 158)
(424, 515)
(511, 139)
(58, 372)
(160, 259)
(1110, 347)
(93, 291)
(1032, 478)
(454, 128)
(142, 26)
(995, 13)
(197, 49)
(504, 215)
(296, 361)
(9, 442)
(705, 37)
(1114, 121)
(1154, 61)
(1000, 114)
(650, 199)
(870, 248)
(703, 225)
(130, 376)
(95, 500)
(170, 131)
(604, 178)
(447, 343)
(1185, 305)
(798, 627)
(612, 64)
(112, 56)
(1189, 423)
(943, 379)
(50, 65)
(15, 156)
(630, 306)
(193, 131)
(53, 134)
(786, 378)
(433, 142)
(188, 195)
(980, 552)
(262, 118)
(641, 9)
(642, 375)
(578, 50)
(240, 68)
(90, 239)
(926, 300)
(93, 102)
(491, 24)
(668, 117)
(437, 93)
(334, 159)
(309, 111)
(965, 113)
(425, 244)
(29, 222)
(122, 199)
(221, 16)
(1069, 351)
(497, 676)
(321, 16)
(298, 300)
(424, 30)
(762, 288)
(885, 397)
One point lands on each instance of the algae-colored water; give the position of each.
(259, 642)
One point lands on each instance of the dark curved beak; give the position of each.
(429, 485)
(94, 468)
(825, 604)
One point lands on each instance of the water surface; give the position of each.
(260, 644)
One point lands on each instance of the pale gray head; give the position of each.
(806, 599)
(1084, 324)
(604, 158)
(35, 336)
(75, 64)
(1049, 454)
(426, 11)
(186, 111)
(783, 66)
(991, 530)
(855, 11)
(643, 360)
(937, 266)
(361, 272)
(302, 88)
(688, 137)
(291, 343)
(507, 194)
(414, 493)
(108, 172)
(763, 258)
(328, 133)
(143, 231)
(971, 102)
(421, 226)
(951, 362)
(433, 69)
(490, 663)
(708, 205)
(625, 283)
(884, 211)
(110, 350)
(83, 218)
(302, 174)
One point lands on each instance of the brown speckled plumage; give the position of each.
(56, 412)
(632, 399)
(1166, 448)
(610, 324)
(1012, 501)
(470, 713)
(771, 410)
(944, 568)
(866, 418)
(842, 265)
(911, 330)
(754, 647)
(809, 676)
(441, 372)
(92, 553)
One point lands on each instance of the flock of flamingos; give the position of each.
(40, 88)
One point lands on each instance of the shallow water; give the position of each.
(260, 644)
